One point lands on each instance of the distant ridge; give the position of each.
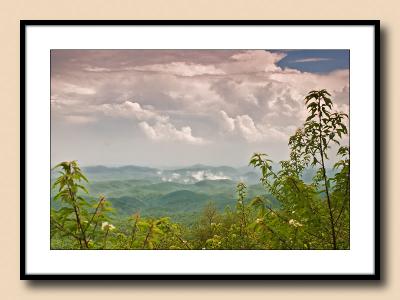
(101, 168)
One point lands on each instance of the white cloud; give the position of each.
(96, 69)
(155, 125)
(67, 105)
(164, 131)
(75, 89)
(302, 83)
(341, 95)
(228, 123)
(248, 129)
(182, 69)
(206, 175)
(175, 176)
(252, 61)
(311, 59)
(131, 109)
(76, 119)
(238, 91)
(245, 127)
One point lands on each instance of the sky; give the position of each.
(165, 108)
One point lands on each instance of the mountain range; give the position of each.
(180, 193)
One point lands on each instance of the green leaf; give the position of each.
(82, 188)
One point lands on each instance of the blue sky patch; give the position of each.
(315, 61)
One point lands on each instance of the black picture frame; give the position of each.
(23, 150)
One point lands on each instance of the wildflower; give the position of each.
(258, 220)
(107, 226)
(295, 223)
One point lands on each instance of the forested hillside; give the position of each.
(299, 203)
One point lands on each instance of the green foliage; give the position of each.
(77, 218)
(312, 211)
(285, 212)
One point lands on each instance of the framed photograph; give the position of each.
(200, 150)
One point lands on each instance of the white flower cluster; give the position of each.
(295, 223)
(107, 226)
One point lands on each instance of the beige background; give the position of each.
(12, 11)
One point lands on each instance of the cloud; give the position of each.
(75, 89)
(237, 91)
(155, 125)
(228, 123)
(76, 119)
(311, 59)
(342, 95)
(164, 131)
(252, 61)
(182, 69)
(130, 109)
(207, 175)
(245, 127)
(222, 98)
(96, 69)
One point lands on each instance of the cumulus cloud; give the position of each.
(245, 127)
(342, 95)
(130, 109)
(238, 92)
(228, 122)
(252, 61)
(154, 125)
(164, 131)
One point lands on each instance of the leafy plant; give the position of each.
(76, 218)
